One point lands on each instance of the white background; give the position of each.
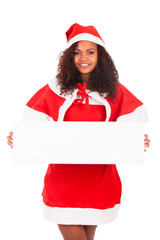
(32, 36)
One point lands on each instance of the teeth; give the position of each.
(84, 64)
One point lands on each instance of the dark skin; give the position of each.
(85, 60)
(77, 232)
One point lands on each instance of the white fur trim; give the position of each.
(80, 216)
(138, 115)
(85, 37)
(65, 106)
(33, 115)
(93, 101)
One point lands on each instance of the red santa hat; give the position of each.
(78, 33)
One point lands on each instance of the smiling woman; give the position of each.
(85, 58)
(78, 197)
(86, 61)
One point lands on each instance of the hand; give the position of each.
(10, 139)
(146, 141)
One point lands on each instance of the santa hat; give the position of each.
(78, 33)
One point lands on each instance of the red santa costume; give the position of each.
(82, 194)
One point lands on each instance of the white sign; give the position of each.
(78, 142)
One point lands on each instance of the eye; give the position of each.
(91, 52)
(76, 53)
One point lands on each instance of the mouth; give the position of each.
(84, 65)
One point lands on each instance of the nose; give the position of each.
(83, 56)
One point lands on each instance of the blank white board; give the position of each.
(78, 142)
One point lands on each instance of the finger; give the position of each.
(10, 139)
(11, 145)
(147, 141)
(10, 142)
(145, 136)
(11, 135)
(147, 145)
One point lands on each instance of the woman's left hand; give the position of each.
(146, 141)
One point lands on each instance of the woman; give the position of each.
(78, 197)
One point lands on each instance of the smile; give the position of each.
(83, 65)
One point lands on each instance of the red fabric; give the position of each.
(124, 103)
(76, 29)
(84, 112)
(82, 93)
(46, 101)
(82, 186)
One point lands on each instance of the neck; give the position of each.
(85, 78)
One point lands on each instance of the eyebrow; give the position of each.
(86, 50)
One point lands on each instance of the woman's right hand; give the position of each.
(10, 139)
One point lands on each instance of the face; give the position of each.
(85, 58)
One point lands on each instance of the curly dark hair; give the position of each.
(103, 79)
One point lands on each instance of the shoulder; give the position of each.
(126, 106)
(45, 101)
(46, 94)
(127, 98)
(125, 94)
